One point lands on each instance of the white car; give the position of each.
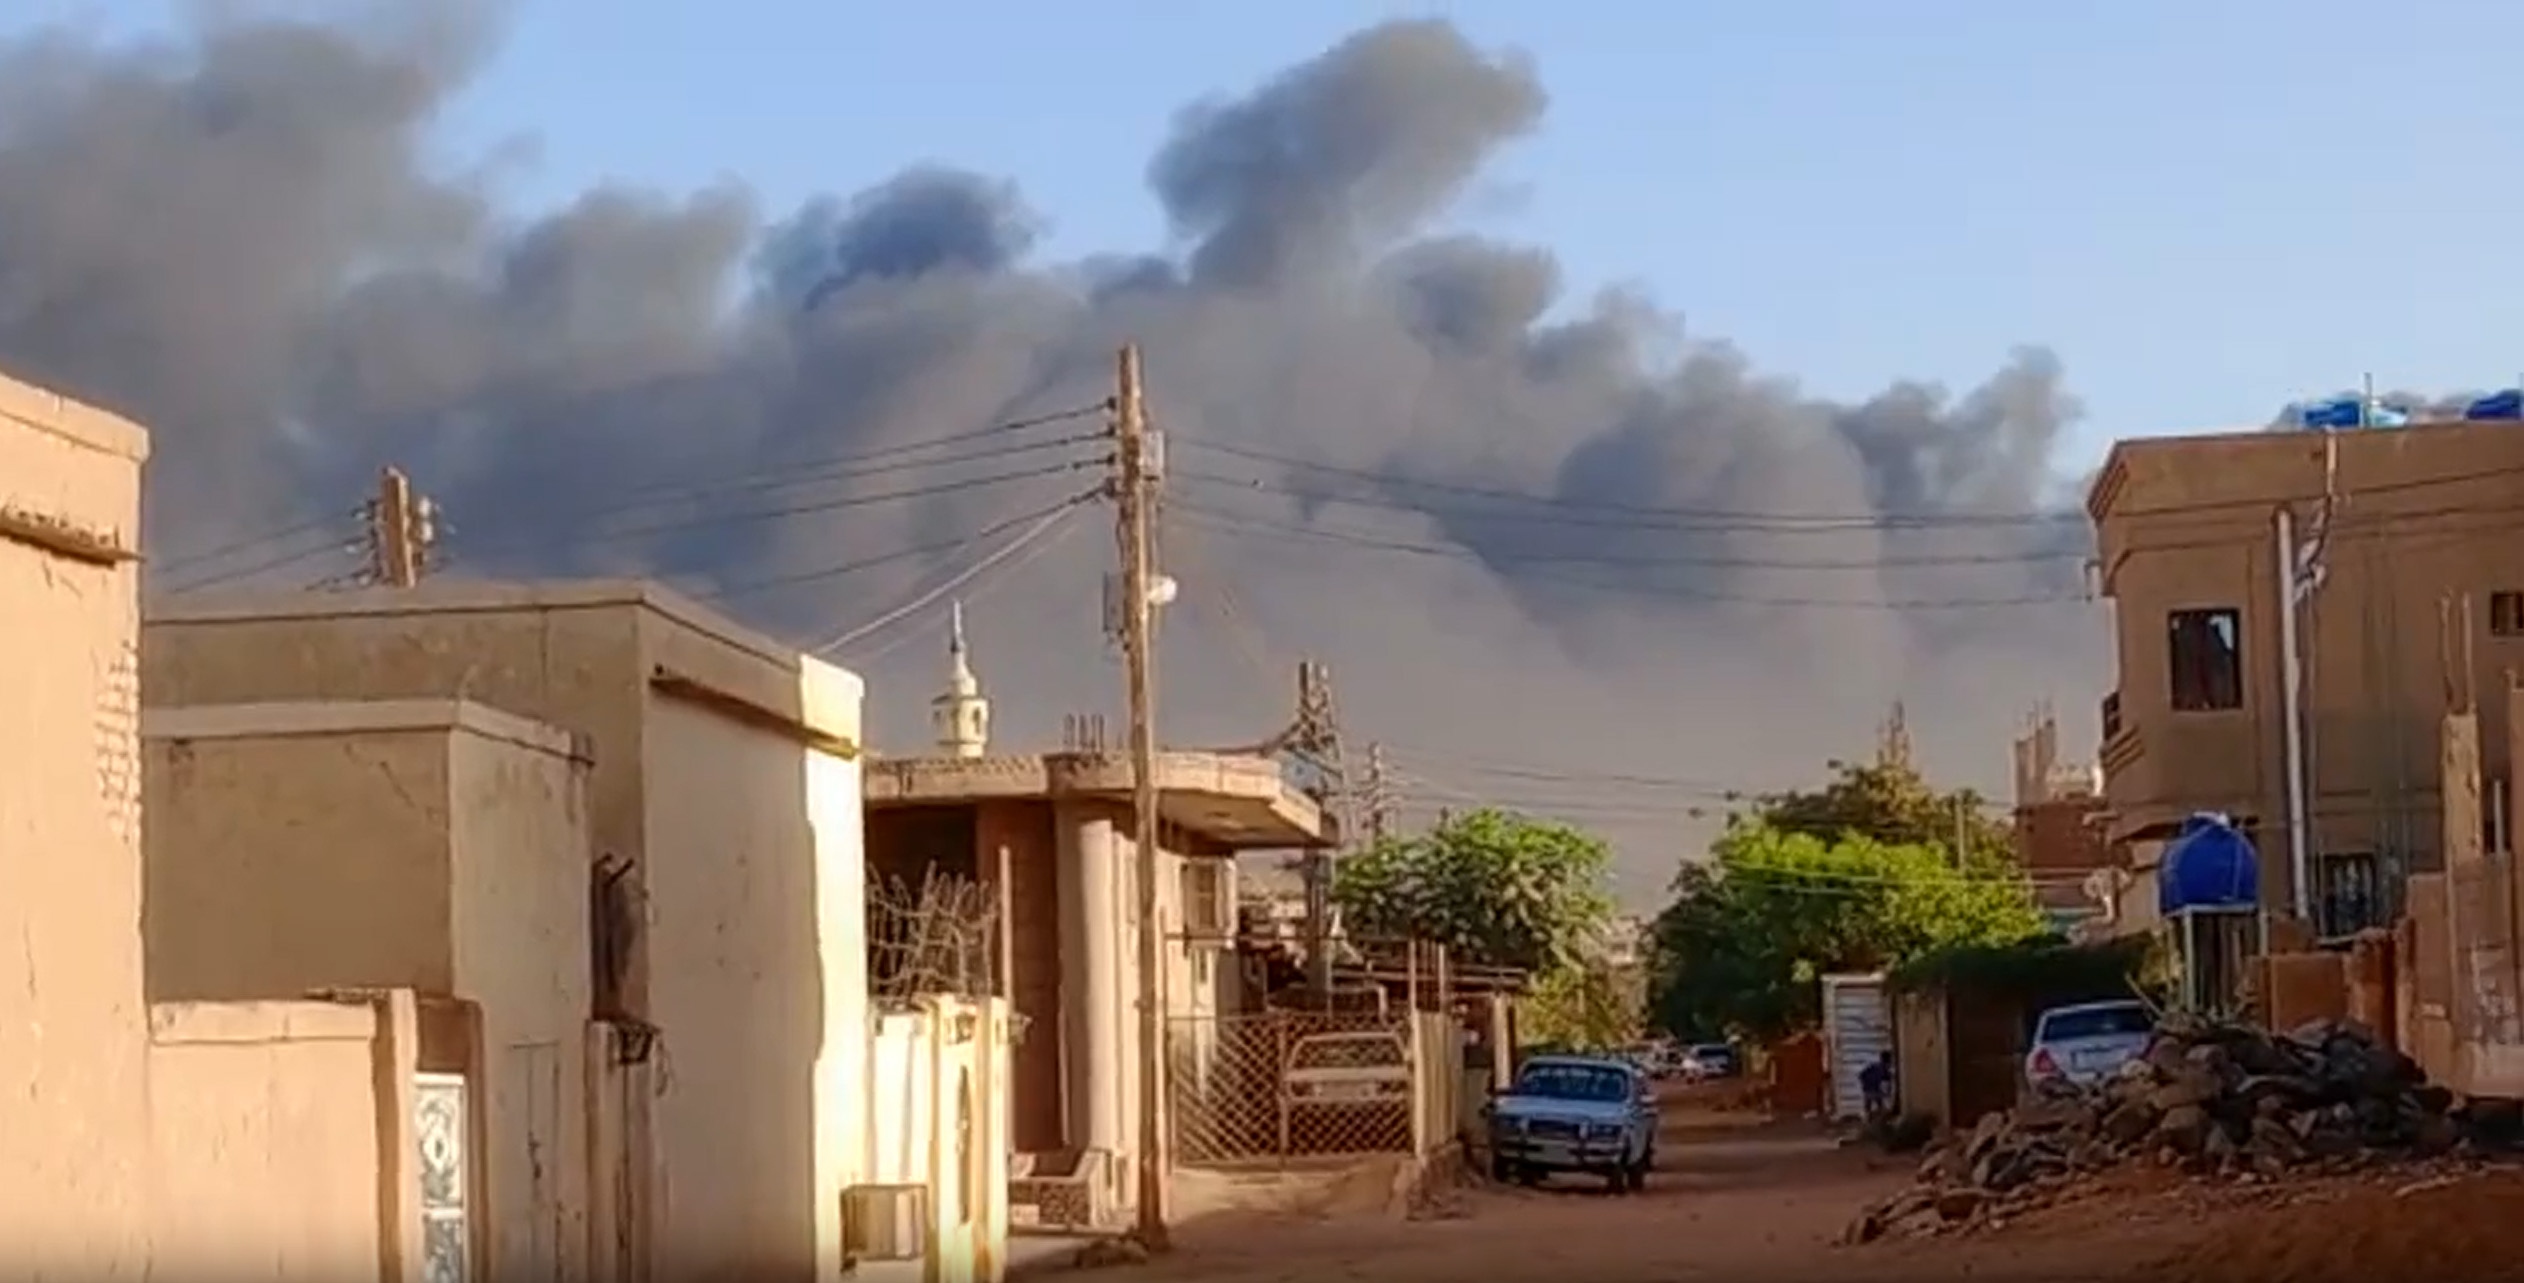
(1347, 1069)
(2080, 1045)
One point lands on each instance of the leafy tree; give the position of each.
(1496, 888)
(1748, 934)
(1889, 801)
(1591, 1006)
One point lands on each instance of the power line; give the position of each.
(1671, 593)
(281, 561)
(178, 565)
(720, 521)
(836, 571)
(758, 483)
(1734, 517)
(980, 587)
(1007, 550)
(1604, 559)
(1789, 522)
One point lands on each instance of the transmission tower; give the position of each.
(1314, 739)
(1893, 739)
(1376, 798)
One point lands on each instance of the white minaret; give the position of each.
(960, 715)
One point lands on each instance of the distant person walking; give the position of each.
(1875, 1086)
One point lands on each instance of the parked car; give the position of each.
(1717, 1060)
(1344, 1093)
(1348, 1068)
(2087, 1042)
(1591, 1115)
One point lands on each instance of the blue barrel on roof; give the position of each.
(2208, 865)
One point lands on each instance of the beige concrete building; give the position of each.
(279, 1140)
(432, 845)
(2420, 534)
(1050, 835)
(2058, 828)
(74, 1030)
(724, 779)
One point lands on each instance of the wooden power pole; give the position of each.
(1135, 495)
(401, 528)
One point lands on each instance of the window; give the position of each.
(2506, 614)
(2207, 654)
(1553, 1080)
(2094, 1020)
(2346, 894)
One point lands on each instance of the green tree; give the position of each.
(1593, 1006)
(1740, 948)
(1892, 803)
(1494, 887)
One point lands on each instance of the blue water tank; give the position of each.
(2208, 865)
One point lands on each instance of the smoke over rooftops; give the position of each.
(1518, 531)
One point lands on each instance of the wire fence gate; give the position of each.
(1290, 1084)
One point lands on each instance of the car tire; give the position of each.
(1502, 1171)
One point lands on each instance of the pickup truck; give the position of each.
(1591, 1115)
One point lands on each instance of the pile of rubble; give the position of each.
(2209, 1099)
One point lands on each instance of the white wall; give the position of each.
(922, 1064)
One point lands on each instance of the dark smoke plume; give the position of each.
(1710, 575)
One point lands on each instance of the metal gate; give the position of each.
(1238, 1086)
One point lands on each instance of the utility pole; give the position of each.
(1962, 833)
(1379, 796)
(402, 526)
(1135, 496)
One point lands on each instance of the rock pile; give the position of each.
(2210, 1099)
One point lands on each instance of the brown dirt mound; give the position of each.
(2466, 1230)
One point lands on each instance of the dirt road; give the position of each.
(1736, 1196)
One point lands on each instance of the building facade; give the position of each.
(431, 845)
(2412, 542)
(725, 812)
(1048, 837)
(74, 1026)
(2058, 828)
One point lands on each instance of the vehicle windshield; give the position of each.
(1369, 1052)
(1713, 1051)
(1573, 1082)
(2120, 1020)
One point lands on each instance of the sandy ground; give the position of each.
(1742, 1197)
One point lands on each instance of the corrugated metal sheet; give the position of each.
(1857, 1028)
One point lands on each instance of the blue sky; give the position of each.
(2206, 208)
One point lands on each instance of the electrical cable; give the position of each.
(726, 520)
(281, 562)
(178, 565)
(822, 573)
(1469, 556)
(1739, 518)
(1005, 551)
(980, 589)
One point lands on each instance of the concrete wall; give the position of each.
(425, 844)
(725, 767)
(1437, 1080)
(283, 857)
(2187, 523)
(74, 1096)
(279, 1146)
(938, 1106)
